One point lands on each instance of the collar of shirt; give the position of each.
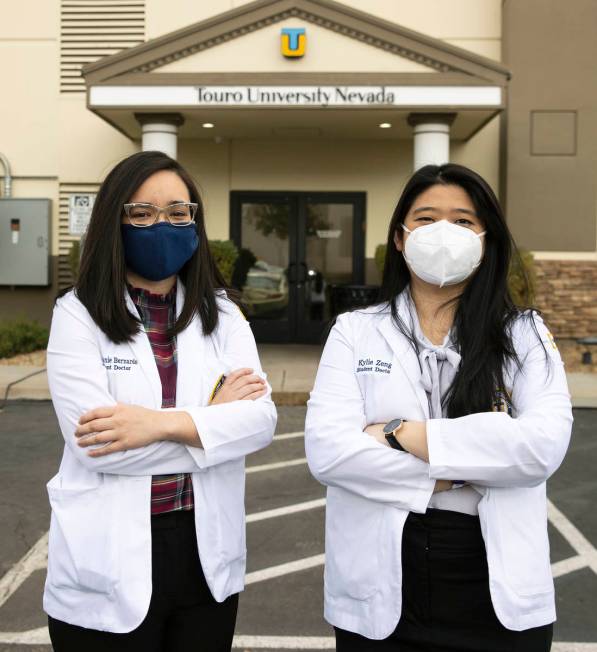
(142, 296)
(438, 362)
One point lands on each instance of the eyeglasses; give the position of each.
(181, 214)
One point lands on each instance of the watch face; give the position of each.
(392, 425)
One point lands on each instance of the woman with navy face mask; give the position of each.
(158, 390)
(436, 419)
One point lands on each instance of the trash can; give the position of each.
(348, 297)
(587, 342)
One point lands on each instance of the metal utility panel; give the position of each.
(25, 241)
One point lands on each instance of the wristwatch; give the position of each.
(390, 433)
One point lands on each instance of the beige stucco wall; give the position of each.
(54, 135)
(47, 137)
(465, 20)
(29, 33)
(89, 146)
(51, 138)
(377, 168)
(326, 51)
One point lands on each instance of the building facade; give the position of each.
(300, 121)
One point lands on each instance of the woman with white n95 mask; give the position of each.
(436, 418)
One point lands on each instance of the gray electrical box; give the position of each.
(25, 241)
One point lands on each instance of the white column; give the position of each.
(159, 131)
(431, 134)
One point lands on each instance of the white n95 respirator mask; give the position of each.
(443, 253)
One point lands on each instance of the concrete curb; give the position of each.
(290, 398)
(583, 387)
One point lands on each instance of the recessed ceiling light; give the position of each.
(385, 125)
(208, 125)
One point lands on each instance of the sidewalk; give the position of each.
(291, 371)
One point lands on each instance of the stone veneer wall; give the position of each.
(567, 297)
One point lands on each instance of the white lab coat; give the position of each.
(369, 374)
(99, 562)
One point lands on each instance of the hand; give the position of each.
(442, 485)
(121, 427)
(241, 384)
(376, 431)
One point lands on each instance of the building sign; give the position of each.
(294, 41)
(294, 96)
(79, 212)
(291, 96)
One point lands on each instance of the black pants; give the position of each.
(182, 614)
(446, 605)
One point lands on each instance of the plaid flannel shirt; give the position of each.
(158, 313)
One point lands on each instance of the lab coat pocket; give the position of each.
(83, 548)
(352, 532)
(232, 510)
(524, 545)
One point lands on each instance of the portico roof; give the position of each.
(333, 95)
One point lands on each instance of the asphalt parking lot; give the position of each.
(282, 605)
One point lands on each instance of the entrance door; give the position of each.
(294, 247)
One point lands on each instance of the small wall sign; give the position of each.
(294, 41)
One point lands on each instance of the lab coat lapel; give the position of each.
(190, 354)
(141, 347)
(404, 352)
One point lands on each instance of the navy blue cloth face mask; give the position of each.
(158, 251)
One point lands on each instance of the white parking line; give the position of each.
(276, 465)
(283, 511)
(40, 636)
(284, 569)
(585, 549)
(35, 559)
(289, 435)
(285, 642)
(329, 643)
(566, 566)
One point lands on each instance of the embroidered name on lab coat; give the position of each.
(375, 365)
(551, 341)
(118, 364)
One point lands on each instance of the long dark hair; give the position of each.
(485, 310)
(100, 284)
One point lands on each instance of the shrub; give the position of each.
(21, 336)
(520, 267)
(73, 258)
(225, 254)
(380, 258)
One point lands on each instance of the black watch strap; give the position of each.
(389, 430)
(394, 443)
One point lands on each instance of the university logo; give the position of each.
(294, 41)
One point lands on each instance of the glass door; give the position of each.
(331, 254)
(295, 248)
(263, 228)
